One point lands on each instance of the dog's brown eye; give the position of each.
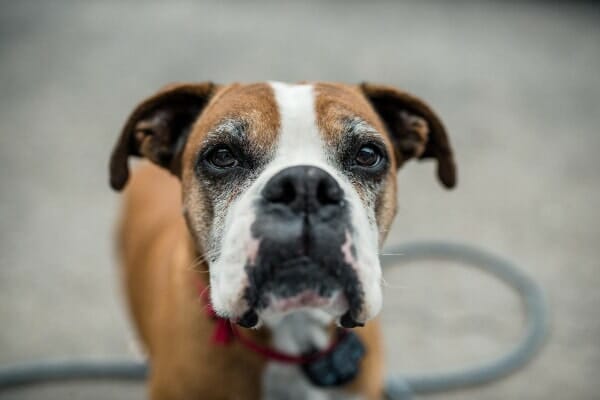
(222, 158)
(368, 156)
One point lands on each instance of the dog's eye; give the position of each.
(368, 156)
(222, 157)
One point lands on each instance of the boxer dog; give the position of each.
(247, 266)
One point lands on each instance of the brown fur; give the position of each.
(159, 248)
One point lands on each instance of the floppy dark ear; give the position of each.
(157, 129)
(416, 130)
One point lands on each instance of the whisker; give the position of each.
(200, 259)
(194, 266)
(203, 292)
(388, 285)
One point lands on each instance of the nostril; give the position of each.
(283, 192)
(288, 192)
(328, 192)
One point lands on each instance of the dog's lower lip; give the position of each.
(307, 298)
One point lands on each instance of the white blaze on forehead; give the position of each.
(299, 138)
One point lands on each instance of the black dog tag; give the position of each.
(340, 365)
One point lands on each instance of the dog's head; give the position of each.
(288, 190)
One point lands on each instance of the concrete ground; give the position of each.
(517, 85)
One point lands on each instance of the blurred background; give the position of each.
(516, 83)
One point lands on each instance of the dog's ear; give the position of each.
(415, 129)
(157, 129)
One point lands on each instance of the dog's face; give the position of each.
(288, 190)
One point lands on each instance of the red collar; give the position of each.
(225, 332)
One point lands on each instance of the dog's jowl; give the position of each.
(250, 239)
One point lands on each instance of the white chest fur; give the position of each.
(294, 334)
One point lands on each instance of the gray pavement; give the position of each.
(517, 85)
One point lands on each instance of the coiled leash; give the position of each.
(398, 387)
(536, 321)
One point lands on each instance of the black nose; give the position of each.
(303, 188)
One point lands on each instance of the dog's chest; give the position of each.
(296, 334)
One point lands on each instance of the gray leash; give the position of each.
(397, 387)
(71, 370)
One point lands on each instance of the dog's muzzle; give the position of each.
(302, 228)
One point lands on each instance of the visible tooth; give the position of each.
(348, 321)
(248, 320)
